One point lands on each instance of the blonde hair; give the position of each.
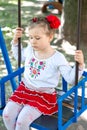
(41, 22)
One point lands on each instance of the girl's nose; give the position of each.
(33, 41)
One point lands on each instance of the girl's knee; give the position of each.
(21, 124)
(6, 115)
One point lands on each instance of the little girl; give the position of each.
(36, 93)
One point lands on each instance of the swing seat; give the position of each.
(46, 122)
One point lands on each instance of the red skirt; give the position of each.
(44, 102)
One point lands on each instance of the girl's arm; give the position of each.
(18, 34)
(68, 72)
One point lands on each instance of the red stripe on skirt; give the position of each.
(44, 102)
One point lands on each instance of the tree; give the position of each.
(69, 28)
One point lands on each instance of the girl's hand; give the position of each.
(18, 34)
(79, 57)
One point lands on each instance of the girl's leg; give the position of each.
(10, 114)
(27, 115)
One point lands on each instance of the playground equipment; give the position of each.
(70, 104)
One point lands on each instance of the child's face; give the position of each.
(39, 39)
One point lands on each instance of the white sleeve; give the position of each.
(24, 52)
(67, 72)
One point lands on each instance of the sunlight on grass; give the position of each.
(6, 28)
(1, 8)
(13, 2)
(28, 3)
(3, 73)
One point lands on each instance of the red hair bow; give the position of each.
(54, 21)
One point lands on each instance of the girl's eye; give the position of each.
(37, 38)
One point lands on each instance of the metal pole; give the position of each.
(78, 35)
(19, 39)
(77, 47)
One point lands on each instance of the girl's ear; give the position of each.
(51, 37)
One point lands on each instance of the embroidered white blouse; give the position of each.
(44, 73)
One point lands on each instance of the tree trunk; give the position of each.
(84, 22)
(69, 28)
